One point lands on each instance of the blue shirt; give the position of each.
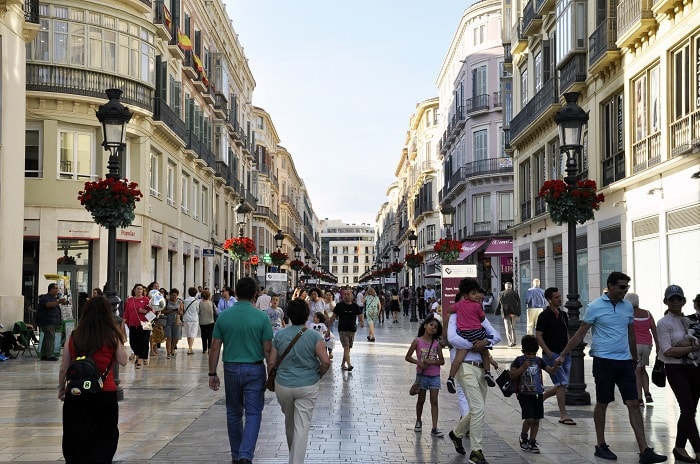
(300, 368)
(535, 298)
(610, 324)
(224, 304)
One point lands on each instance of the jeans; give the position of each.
(298, 407)
(245, 392)
(685, 383)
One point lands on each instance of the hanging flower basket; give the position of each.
(296, 265)
(66, 260)
(111, 202)
(395, 267)
(240, 248)
(306, 269)
(278, 258)
(574, 203)
(413, 260)
(448, 250)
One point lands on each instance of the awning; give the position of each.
(469, 247)
(499, 247)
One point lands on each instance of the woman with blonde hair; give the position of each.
(372, 308)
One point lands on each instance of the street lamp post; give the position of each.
(279, 240)
(412, 239)
(113, 116)
(448, 214)
(297, 257)
(241, 210)
(396, 251)
(570, 120)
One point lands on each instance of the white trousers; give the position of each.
(298, 407)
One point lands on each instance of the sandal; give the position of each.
(137, 365)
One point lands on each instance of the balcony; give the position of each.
(602, 49)
(532, 22)
(613, 168)
(222, 171)
(572, 75)
(646, 153)
(76, 81)
(220, 106)
(542, 7)
(518, 39)
(250, 199)
(485, 167)
(188, 65)
(174, 45)
(498, 99)
(162, 113)
(525, 210)
(459, 119)
(685, 133)
(482, 228)
(205, 157)
(539, 110)
(163, 20)
(634, 21)
(477, 104)
(266, 212)
(504, 225)
(142, 6)
(661, 7)
(507, 58)
(506, 141)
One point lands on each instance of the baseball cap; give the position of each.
(673, 290)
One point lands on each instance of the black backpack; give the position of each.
(83, 376)
(406, 293)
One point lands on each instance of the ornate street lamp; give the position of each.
(570, 119)
(241, 210)
(379, 268)
(448, 214)
(113, 116)
(412, 239)
(297, 257)
(279, 239)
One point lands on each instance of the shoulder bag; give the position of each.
(270, 383)
(658, 374)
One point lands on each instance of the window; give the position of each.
(175, 96)
(194, 203)
(345, 269)
(171, 184)
(523, 87)
(76, 156)
(538, 71)
(613, 140)
(482, 208)
(205, 205)
(525, 192)
(346, 259)
(430, 233)
(184, 193)
(335, 250)
(572, 35)
(480, 148)
(538, 177)
(479, 83)
(556, 164)
(505, 206)
(260, 123)
(155, 174)
(355, 269)
(32, 153)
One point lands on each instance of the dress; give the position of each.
(372, 308)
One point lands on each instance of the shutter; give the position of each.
(541, 272)
(175, 16)
(546, 60)
(559, 273)
(198, 42)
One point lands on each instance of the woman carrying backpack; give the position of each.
(90, 432)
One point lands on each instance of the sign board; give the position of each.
(208, 252)
(451, 275)
(277, 282)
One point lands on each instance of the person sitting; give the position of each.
(9, 342)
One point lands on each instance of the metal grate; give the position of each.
(684, 217)
(646, 226)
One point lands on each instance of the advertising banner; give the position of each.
(451, 275)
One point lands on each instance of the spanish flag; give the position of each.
(183, 41)
(197, 61)
(166, 16)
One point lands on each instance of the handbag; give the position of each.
(658, 374)
(504, 383)
(270, 382)
(415, 388)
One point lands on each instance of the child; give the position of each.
(319, 325)
(328, 335)
(428, 361)
(526, 372)
(470, 315)
(275, 313)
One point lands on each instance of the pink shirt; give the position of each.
(642, 330)
(425, 351)
(470, 314)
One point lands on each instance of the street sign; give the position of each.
(207, 252)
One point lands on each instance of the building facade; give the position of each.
(347, 250)
(633, 64)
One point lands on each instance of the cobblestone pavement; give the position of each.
(169, 414)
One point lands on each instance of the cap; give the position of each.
(673, 290)
(633, 298)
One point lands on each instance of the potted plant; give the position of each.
(240, 248)
(448, 250)
(571, 203)
(413, 260)
(111, 202)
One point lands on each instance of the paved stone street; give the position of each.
(170, 415)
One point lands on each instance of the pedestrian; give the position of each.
(645, 334)
(206, 320)
(394, 305)
(246, 335)
(135, 311)
(276, 314)
(298, 377)
(316, 304)
(470, 377)
(428, 360)
(226, 301)
(156, 336)
(526, 371)
(420, 291)
(372, 310)
(552, 332)
(90, 420)
(190, 319)
(535, 301)
(509, 307)
(347, 312)
(683, 375)
(614, 351)
(173, 311)
(263, 301)
(48, 318)
(406, 300)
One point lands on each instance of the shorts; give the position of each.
(643, 353)
(473, 335)
(346, 339)
(532, 406)
(428, 382)
(561, 376)
(610, 372)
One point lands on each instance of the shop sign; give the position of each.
(506, 264)
(74, 229)
(557, 248)
(451, 275)
(130, 234)
(208, 252)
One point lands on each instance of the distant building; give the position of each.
(347, 250)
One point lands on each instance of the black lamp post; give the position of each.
(570, 120)
(381, 277)
(297, 257)
(448, 214)
(279, 240)
(412, 239)
(113, 116)
(241, 210)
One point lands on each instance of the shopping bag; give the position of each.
(503, 382)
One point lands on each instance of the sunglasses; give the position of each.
(623, 287)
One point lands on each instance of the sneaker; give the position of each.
(457, 442)
(477, 457)
(649, 456)
(524, 442)
(603, 451)
(418, 427)
(451, 385)
(437, 433)
(489, 379)
(3, 357)
(533, 447)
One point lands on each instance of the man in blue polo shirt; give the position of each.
(246, 334)
(614, 351)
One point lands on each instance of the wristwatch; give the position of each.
(212, 374)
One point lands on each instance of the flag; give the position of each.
(183, 41)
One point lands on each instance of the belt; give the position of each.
(475, 364)
(256, 362)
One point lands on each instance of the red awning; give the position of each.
(469, 247)
(499, 247)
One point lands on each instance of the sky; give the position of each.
(340, 81)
